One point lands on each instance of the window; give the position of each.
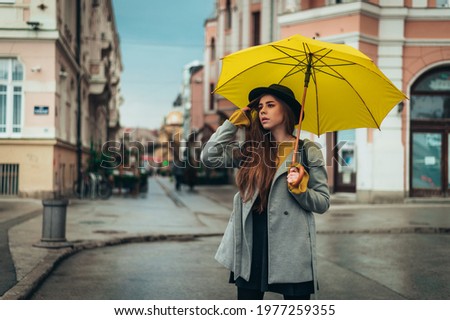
(431, 95)
(213, 49)
(211, 97)
(442, 3)
(9, 179)
(256, 20)
(228, 15)
(342, 1)
(11, 97)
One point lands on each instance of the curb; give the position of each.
(406, 230)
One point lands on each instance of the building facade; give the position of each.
(60, 69)
(410, 42)
(169, 146)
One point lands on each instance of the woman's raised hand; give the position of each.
(239, 118)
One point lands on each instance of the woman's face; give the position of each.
(271, 112)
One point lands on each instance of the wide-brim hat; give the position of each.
(281, 92)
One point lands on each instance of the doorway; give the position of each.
(430, 134)
(345, 164)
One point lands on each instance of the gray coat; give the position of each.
(291, 226)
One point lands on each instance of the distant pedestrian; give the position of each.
(269, 243)
(178, 171)
(190, 176)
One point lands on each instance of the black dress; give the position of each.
(259, 267)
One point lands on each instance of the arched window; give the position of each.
(11, 97)
(430, 97)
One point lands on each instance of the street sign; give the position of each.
(41, 110)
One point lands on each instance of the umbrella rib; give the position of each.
(306, 51)
(318, 54)
(274, 61)
(357, 93)
(329, 66)
(237, 75)
(300, 62)
(292, 56)
(254, 66)
(351, 86)
(322, 71)
(317, 101)
(340, 76)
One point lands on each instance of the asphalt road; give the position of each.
(365, 251)
(351, 266)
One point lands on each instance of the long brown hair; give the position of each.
(258, 155)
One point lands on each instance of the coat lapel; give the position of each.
(247, 207)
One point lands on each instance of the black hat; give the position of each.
(279, 91)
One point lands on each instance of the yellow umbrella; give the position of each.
(346, 89)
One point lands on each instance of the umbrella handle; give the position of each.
(301, 173)
(299, 129)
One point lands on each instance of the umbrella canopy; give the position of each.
(341, 88)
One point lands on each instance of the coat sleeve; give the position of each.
(218, 151)
(316, 198)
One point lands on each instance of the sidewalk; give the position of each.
(163, 214)
(410, 217)
(96, 223)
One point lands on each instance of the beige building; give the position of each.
(60, 70)
(170, 141)
(408, 39)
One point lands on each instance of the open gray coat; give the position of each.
(291, 226)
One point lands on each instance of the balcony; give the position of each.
(98, 79)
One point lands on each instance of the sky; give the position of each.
(157, 39)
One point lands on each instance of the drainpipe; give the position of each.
(79, 75)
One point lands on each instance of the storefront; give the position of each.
(430, 134)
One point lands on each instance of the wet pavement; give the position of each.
(359, 242)
(350, 267)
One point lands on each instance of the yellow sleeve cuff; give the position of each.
(239, 118)
(302, 186)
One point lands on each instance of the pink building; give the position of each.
(60, 69)
(410, 42)
(197, 111)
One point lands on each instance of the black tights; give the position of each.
(250, 294)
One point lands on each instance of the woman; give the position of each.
(269, 243)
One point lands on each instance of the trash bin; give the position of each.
(54, 224)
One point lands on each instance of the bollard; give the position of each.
(54, 224)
